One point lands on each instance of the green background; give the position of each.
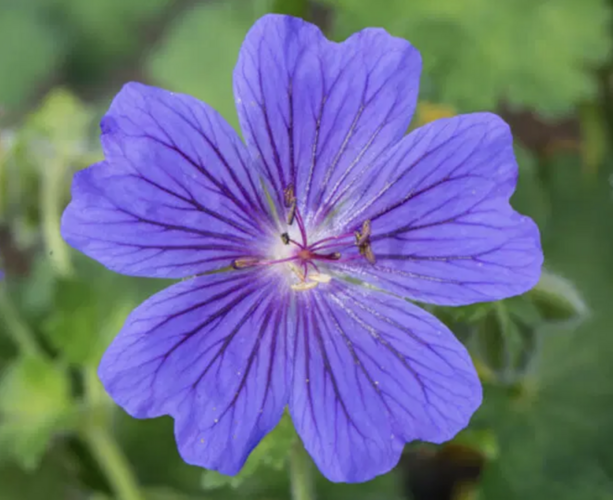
(545, 429)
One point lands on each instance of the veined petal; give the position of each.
(175, 195)
(212, 353)
(372, 372)
(443, 230)
(319, 113)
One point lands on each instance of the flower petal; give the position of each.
(174, 197)
(211, 352)
(372, 372)
(443, 230)
(318, 113)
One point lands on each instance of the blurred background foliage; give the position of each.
(545, 429)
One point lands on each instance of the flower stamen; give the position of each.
(245, 262)
(289, 198)
(305, 285)
(362, 240)
(321, 278)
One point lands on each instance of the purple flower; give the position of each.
(326, 193)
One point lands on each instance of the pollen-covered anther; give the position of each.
(289, 198)
(297, 272)
(362, 240)
(366, 251)
(304, 285)
(363, 237)
(291, 214)
(245, 262)
(285, 238)
(320, 278)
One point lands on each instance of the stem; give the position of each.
(113, 463)
(103, 445)
(51, 210)
(300, 473)
(17, 328)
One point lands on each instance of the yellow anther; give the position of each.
(288, 196)
(291, 214)
(297, 272)
(320, 278)
(304, 285)
(362, 240)
(245, 262)
(363, 237)
(366, 251)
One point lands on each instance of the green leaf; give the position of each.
(167, 494)
(531, 196)
(29, 50)
(50, 481)
(36, 291)
(88, 313)
(107, 31)
(491, 342)
(477, 53)
(35, 404)
(271, 453)
(482, 440)
(200, 52)
(297, 8)
(557, 299)
(506, 342)
(523, 309)
(62, 120)
(526, 348)
(594, 137)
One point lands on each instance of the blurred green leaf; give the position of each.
(557, 299)
(478, 53)
(531, 196)
(554, 427)
(106, 31)
(527, 346)
(167, 494)
(30, 48)
(593, 136)
(522, 309)
(271, 453)
(297, 8)
(63, 121)
(482, 440)
(50, 481)
(35, 403)
(491, 341)
(506, 342)
(88, 314)
(36, 292)
(200, 52)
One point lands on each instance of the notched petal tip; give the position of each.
(211, 353)
(175, 196)
(443, 229)
(317, 113)
(373, 372)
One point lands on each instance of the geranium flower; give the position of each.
(326, 205)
